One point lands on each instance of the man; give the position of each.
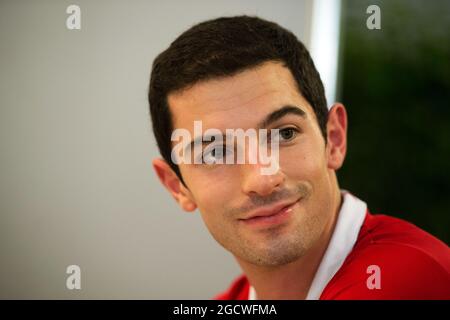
(294, 233)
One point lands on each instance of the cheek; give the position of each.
(305, 161)
(211, 191)
(212, 202)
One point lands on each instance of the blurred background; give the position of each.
(76, 182)
(395, 83)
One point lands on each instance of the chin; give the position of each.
(274, 254)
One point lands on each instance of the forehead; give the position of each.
(239, 101)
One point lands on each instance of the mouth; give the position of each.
(270, 216)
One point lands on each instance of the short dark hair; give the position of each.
(224, 47)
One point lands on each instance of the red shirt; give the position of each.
(412, 263)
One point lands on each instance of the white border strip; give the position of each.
(324, 43)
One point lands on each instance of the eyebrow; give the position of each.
(268, 120)
(280, 113)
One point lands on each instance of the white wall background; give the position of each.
(76, 183)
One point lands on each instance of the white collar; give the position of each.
(349, 222)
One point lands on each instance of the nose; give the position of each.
(254, 182)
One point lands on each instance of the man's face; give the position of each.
(262, 219)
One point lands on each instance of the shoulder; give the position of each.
(393, 259)
(238, 290)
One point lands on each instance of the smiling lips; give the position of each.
(269, 216)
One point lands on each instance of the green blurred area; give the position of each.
(395, 83)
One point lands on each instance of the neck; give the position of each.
(293, 280)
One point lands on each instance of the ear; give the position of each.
(336, 136)
(173, 184)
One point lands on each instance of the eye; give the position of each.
(215, 154)
(287, 134)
